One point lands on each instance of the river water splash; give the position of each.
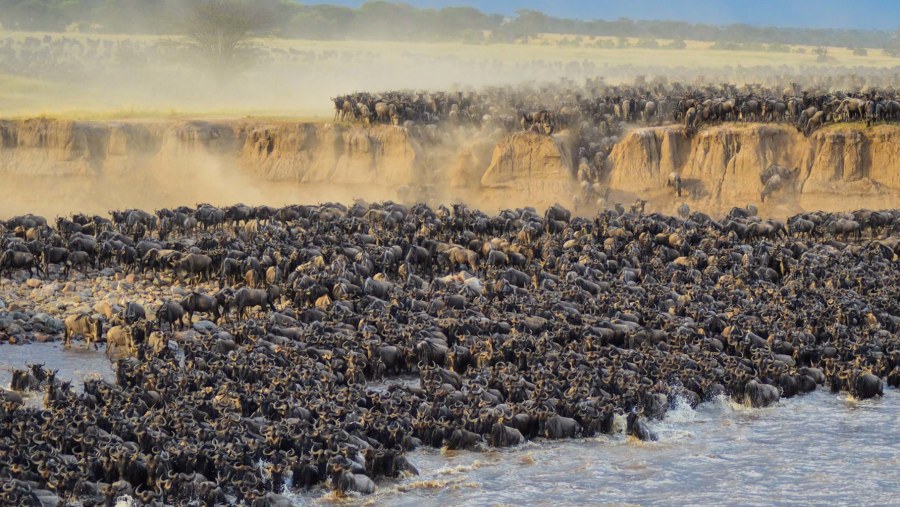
(818, 449)
(75, 364)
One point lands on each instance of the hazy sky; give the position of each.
(863, 14)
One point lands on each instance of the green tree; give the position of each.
(225, 31)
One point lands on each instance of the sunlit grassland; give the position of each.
(25, 96)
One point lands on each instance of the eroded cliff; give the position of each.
(839, 167)
(54, 166)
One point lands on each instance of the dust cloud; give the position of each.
(115, 78)
(154, 183)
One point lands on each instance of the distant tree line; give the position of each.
(396, 21)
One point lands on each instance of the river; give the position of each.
(819, 449)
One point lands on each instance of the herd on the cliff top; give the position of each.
(597, 115)
(552, 108)
(277, 370)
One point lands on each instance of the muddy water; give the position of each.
(75, 364)
(819, 449)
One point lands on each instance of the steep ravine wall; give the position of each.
(843, 166)
(301, 152)
(97, 165)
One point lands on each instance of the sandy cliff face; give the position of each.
(51, 147)
(721, 166)
(531, 162)
(309, 153)
(83, 165)
(301, 152)
(725, 161)
(155, 163)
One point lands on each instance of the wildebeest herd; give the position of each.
(567, 105)
(519, 326)
(596, 115)
(78, 58)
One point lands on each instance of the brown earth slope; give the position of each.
(53, 166)
(838, 167)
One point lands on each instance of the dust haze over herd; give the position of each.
(267, 253)
(106, 95)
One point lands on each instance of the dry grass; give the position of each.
(301, 91)
(546, 47)
(701, 53)
(144, 114)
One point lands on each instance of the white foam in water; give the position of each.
(125, 501)
(458, 469)
(722, 403)
(263, 467)
(288, 483)
(681, 413)
(676, 425)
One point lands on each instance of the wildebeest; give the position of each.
(53, 255)
(11, 260)
(197, 265)
(757, 394)
(170, 313)
(134, 313)
(196, 302)
(87, 326)
(263, 298)
(120, 337)
(569, 324)
(674, 182)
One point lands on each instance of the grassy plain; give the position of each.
(301, 74)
